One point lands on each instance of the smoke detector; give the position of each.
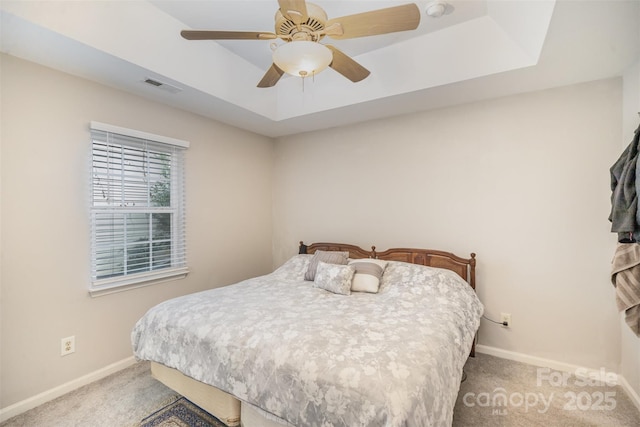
(437, 8)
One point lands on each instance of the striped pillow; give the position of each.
(330, 257)
(368, 274)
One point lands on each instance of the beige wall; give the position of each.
(522, 180)
(45, 242)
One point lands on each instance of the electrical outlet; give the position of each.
(67, 345)
(505, 319)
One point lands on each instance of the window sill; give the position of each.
(106, 287)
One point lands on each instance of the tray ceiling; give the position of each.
(482, 49)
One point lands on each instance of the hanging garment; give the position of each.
(625, 276)
(625, 181)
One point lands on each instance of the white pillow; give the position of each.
(368, 274)
(334, 278)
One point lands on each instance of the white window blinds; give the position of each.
(137, 208)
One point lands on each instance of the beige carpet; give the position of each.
(125, 398)
(122, 399)
(538, 397)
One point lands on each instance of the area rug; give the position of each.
(181, 413)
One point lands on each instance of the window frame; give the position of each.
(100, 133)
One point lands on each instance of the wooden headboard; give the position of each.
(464, 267)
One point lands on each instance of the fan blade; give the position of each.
(381, 21)
(346, 66)
(295, 10)
(271, 77)
(226, 35)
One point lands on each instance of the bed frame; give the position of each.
(228, 409)
(464, 267)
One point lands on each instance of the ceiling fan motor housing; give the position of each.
(316, 21)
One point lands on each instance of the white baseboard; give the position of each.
(633, 395)
(558, 366)
(39, 399)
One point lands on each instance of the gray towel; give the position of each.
(625, 182)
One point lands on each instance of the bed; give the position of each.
(281, 350)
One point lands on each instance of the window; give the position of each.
(137, 209)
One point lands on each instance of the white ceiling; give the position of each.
(483, 49)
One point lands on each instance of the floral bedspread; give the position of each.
(314, 358)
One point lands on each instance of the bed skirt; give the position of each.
(222, 405)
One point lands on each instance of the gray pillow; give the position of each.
(330, 257)
(334, 278)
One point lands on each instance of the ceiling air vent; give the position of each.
(162, 85)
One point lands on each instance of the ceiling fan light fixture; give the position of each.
(302, 58)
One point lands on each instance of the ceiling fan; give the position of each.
(302, 25)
